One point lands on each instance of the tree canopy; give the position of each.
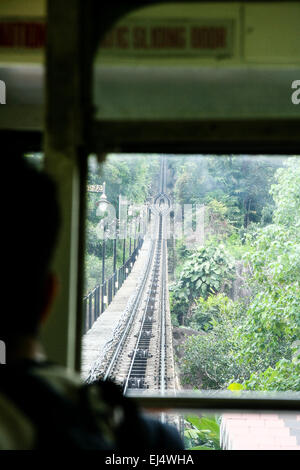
(253, 338)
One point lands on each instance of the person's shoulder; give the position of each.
(116, 416)
(62, 379)
(16, 430)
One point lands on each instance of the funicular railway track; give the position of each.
(142, 356)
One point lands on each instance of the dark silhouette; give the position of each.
(41, 405)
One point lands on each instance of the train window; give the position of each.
(191, 272)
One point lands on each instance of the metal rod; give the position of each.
(216, 403)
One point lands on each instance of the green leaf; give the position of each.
(191, 434)
(194, 420)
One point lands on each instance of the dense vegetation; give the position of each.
(202, 433)
(132, 177)
(241, 289)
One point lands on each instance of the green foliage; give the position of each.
(133, 177)
(209, 360)
(286, 194)
(271, 324)
(206, 312)
(248, 180)
(192, 179)
(249, 343)
(206, 271)
(217, 223)
(273, 318)
(92, 272)
(202, 433)
(275, 256)
(93, 244)
(181, 250)
(179, 305)
(237, 247)
(174, 320)
(285, 376)
(240, 183)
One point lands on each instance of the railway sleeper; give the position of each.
(141, 354)
(146, 334)
(149, 319)
(136, 383)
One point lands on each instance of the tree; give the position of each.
(209, 360)
(206, 271)
(273, 320)
(246, 179)
(133, 177)
(254, 342)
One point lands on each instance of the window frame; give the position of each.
(69, 139)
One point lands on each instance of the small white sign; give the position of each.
(95, 188)
(171, 37)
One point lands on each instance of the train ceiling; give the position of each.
(188, 61)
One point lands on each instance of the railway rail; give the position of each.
(141, 355)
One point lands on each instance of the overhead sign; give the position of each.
(170, 37)
(22, 34)
(136, 37)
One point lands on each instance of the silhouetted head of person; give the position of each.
(30, 224)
